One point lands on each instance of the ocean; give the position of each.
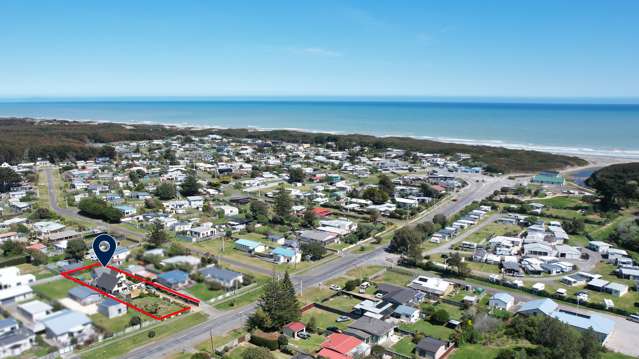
(595, 129)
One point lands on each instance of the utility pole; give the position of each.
(211, 338)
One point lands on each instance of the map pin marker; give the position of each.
(104, 246)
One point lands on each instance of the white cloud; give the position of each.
(318, 51)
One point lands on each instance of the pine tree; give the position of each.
(283, 203)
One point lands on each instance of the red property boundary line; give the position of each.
(68, 275)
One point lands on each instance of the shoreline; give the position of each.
(595, 158)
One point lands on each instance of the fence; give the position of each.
(222, 349)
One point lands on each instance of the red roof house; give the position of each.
(339, 346)
(321, 212)
(291, 329)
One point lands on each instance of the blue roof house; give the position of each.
(111, 308)
(224, 277)
(536, 307)
(84, 295)
(174, 279)
(249, 246)
(286, 255)
(65, 325)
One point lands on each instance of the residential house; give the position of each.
(227, 210)
(406, 314)
(503, 301)
(249, 246)
(14, 339)
(341, 346)
(432, 286)
(84, 295)
(293, 329)
(111, 308)
(431, 348)
(224, 277)
(321, 237)
(174, 279)
(286, 255)
(370, 330)
(67, 326)
(400, 295)
(538, 307)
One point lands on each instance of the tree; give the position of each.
(258, 209)
(440, 219)
(277, 306)
(283, 203)
(97, 208)
(165, 191)
(456, 260)
(8, 179)
(375, 195)
(310, 218)
(201, 355)
(153, 203)
(373, 215)
(38, 258)
(296, 175)
(404, 240)
(574, 226)
(157, 236)
(590, 347)
(76, 249)
(135, 321)
(616, 184)
(257, 353)
(315, 250)
(311, 326)
(440, 316)
(190, 186)
(12, 248)
(428, 191)
(42, 213)
(626, 235)
(386, 185)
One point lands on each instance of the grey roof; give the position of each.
(15, 336)
(6, 323)
(222, 274)
(35, 306)
(64, 321)
(396, 294)
(107, 281)
(430, 344)
(546, 306)
(82, 292)
(372, 326)
(357, 333)
(318, 236)
(107, 303)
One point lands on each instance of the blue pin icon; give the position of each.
(104, 246)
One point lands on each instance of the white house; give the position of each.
(66, 325)
(228, 210)
(503, 301)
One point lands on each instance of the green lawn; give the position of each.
(149, 302)
(404, 346)
(56, 289)
(122, 345)
(560, 202)
(475, 351)
(426, 328)
(201, 291)
(249, 297)
(364, 272)
(323, 319)
(116, 324)
(218, 341)
(315, 294)
(397, 278)
(343, 302)
(310, 345)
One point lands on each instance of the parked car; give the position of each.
(634, 318)
(303, 335)
(334, 330)
(342, 318)
(335, 287)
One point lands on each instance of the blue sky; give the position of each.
(285, 48)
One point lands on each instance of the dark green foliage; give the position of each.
(296, 175)
(283, 203)
(8, 178)
(282, 341)
(257, 353)
(313, 249)
(38, 258)
(76, 249)
(96, 208)
(277, 306)
(428, 191)
(157, 236)
(376, 195)
(386, 184)
(190, 186)
(440, 219)
(404, 240)
(616, 184)
(626, 235)
(12, 248)
(440, 316)
(165, 191)
(574, 226)
(310, 219)
(201, 355)
(41, 213)
(258, 209)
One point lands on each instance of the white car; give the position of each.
(335, 287)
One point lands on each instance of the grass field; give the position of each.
(493, 229)
(201, 291)
(117, 324)
(426, 328)
(475, 351)
(310, 345)
(323, 319)
(150, 302)
(343, 302)
(560, 202)
(404, 346)
(241, 300)
(122, 345)
(56, 289)
(397, 278)
(364, 272)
